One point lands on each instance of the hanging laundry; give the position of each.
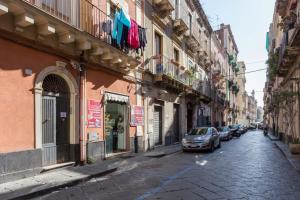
(115, 26)
(142, 37)
(133, 35)
(124, 43)
(125, 18)
(107, 27)
(121, 20)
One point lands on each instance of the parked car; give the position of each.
(203, 138)
(252, 126)
(242, 129)
(234, 129)
(225, 133)
(260, 125)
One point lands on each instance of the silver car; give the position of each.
(225, 133)
(204, 138)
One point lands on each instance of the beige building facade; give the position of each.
(282, 86)
(242, 95)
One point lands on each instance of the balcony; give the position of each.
(202, 89)
(281, 7)
(168, 72)
(181, 20)
(163, 8)
(287, 54)
(62, 10)
(67, 27)
(192, 38)
(293, 24)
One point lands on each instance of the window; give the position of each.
(113, 9)
(176, 55)
(158, 53)
(59, 8)
(176, 9)
(190, 23)
(158, 44)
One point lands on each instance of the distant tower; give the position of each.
(253, 93)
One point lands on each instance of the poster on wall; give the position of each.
(137, 116)
(94, 114)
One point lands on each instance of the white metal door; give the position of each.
(49, 130)
(157, 125)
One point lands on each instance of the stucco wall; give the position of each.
(98, 83)
(17, 94)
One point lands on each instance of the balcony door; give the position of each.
(59, 8)
(158, 53)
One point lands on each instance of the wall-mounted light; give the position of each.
(27, 72)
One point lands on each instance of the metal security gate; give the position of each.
(55, 121)
(49, 130)
(62, 130)
(176, 123)
(157, 125)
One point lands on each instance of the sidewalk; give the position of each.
(294, 159)
(66, 177)
(273, 137)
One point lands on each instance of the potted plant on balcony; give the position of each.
(189, 72)
(230, 58)
(272, 63)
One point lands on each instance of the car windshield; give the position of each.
(198, 131)
(223, 129)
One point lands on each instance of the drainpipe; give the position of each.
(82, 94)
(211, 83)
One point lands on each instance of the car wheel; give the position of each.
(212, 147)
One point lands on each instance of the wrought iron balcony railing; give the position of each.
(81, 14)
(161, 65)
(66, 11)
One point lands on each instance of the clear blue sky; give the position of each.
(249, 21)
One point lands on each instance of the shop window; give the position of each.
(115, 127)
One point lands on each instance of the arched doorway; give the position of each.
(55, 120)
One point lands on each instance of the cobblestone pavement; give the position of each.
(247, 168)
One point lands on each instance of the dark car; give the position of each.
(203, 138)
(235, 130)
(252, 126)
(241, 129)
(225, 133)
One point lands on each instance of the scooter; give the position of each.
(265, 132)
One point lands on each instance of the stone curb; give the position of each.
(63, 185)
(51, 188)
(281, 150)
(272, 138)
(163, 153)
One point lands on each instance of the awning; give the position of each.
(116, 98)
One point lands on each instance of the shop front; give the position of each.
(116, 123)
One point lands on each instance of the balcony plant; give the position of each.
(170, 75)
(230, 58)
(272, 63)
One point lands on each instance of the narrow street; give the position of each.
(247, 168)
